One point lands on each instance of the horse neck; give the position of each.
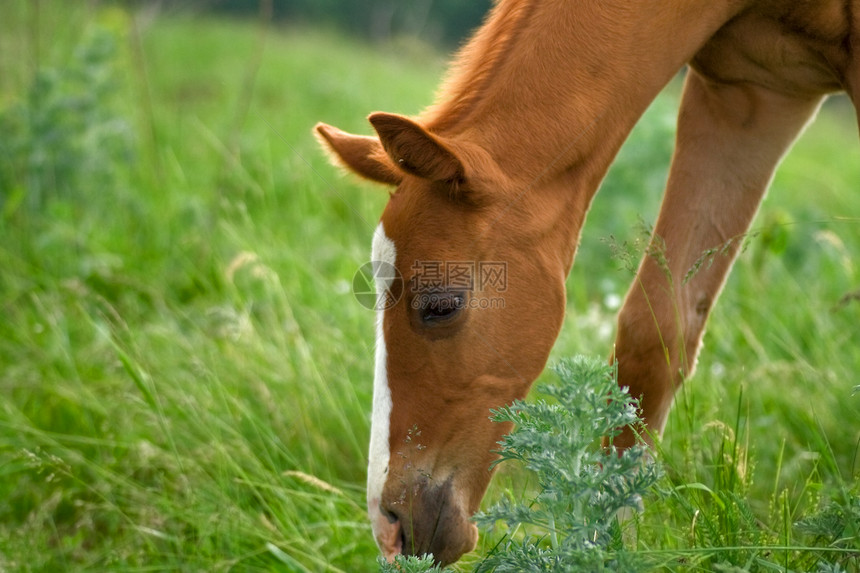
(551, 87)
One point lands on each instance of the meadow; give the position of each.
(185, 375)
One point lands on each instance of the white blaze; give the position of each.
(383, 250)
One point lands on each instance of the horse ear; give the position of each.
(360, 154)
(415, 150)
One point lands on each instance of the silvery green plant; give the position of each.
(572, 523)
(410, 564)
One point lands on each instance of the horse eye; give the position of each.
(438, 307)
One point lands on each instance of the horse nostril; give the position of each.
(391, 536)
(389, 515)
(401, 539)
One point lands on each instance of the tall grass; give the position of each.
(185, 375)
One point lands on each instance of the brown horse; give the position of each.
(498, 176)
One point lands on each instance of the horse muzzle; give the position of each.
(423, 518)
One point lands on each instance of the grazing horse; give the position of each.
(500, 172)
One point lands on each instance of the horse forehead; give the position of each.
(416, 203)
(423, 222)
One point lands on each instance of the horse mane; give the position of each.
(475, 64)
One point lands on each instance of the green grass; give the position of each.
(185, 377)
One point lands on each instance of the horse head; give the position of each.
(464, 325)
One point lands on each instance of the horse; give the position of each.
(500, 172)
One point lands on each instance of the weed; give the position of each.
(67, 138)
(571, 524)
(410, 564)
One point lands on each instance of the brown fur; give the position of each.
(535, 111)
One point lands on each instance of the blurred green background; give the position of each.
(441, 22)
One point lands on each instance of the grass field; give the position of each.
(185, 377)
